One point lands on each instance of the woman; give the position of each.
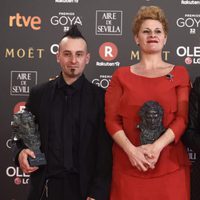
(192, 137)
(159, 170)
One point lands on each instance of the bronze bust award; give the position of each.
(151, 126)
(24, 128)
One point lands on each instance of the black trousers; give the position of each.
(65, 188)
(195, 180)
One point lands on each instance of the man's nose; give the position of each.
(73, 59)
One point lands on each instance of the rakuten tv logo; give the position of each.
(19, 107)
(108, 51)
(20, 21)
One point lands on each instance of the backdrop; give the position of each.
(31, 30)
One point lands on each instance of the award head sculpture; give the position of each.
(24, 128)
(151, 126)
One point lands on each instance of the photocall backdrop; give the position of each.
(29, 36)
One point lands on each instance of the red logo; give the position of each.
(17, 181)
(19, 106)
(108, 51)
(188, 60)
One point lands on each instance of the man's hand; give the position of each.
(89, 198)
(23, 161)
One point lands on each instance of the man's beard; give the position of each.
(72, 71)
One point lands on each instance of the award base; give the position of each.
(39, 160)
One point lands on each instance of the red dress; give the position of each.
(126, 94)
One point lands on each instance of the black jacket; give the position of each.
(95, 143)
(191, 138)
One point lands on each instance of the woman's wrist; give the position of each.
(158, 145)
(129, 148)
(164, 140)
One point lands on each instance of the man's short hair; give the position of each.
(74, 32)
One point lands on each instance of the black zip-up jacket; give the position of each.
(191, 138)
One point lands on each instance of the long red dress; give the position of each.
(125, 95)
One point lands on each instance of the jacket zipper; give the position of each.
(45, 190)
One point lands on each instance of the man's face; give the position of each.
(72, 57)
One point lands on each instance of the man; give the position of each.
(191, 137)
(70, 114)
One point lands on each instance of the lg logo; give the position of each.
(192, 54)
(18, 175)
(22, 21)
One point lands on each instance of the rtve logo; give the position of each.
(21, 21)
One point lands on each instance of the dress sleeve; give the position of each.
(112, 104)
(180, 122)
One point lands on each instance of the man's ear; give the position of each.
(58, 57)
(88, 58)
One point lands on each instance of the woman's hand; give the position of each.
(138, 159)
(136, 155)
(152, 153)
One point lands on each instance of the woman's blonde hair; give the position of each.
(149, 12)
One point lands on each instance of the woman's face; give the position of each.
(151, 37)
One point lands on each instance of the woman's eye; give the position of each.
(158, 31)
(146, 31)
